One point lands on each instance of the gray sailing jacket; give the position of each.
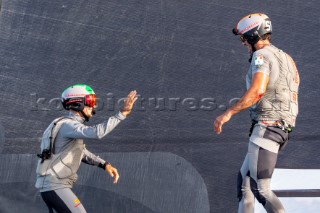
(60, 171)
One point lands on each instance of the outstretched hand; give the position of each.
(128, 103)
(113, 172)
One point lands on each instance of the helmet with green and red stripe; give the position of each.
(77, 96)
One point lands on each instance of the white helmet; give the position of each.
(77, 96)
(253, 27)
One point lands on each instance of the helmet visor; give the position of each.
(90, 100)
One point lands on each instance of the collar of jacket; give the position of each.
(76, 117)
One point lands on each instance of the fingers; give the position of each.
(220, 121)
(113, 172)
(217, 127)
(110, 172)
(115, 177)
(133, 93)
(132, 97)
(128, 102)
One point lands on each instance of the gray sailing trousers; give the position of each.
(254, 181)
(62, 201)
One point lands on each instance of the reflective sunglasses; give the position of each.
(90, 100)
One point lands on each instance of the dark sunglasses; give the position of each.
(242, 38)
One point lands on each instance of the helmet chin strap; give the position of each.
(252, 46)
(84, 115)
(253, 50)
(79, 108)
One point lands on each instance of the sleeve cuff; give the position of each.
(103, 165)
(120, 116)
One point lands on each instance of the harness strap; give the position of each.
(46, 153)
